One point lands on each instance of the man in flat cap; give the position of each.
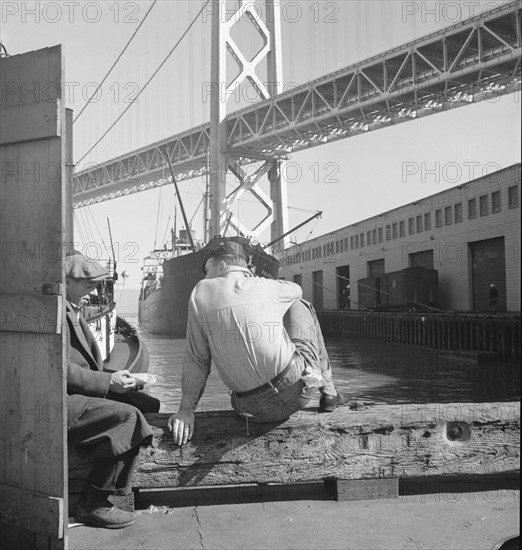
(111, 432)
(263, 339)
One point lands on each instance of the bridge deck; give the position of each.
(475, 60)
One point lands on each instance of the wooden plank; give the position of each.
(30, 122)
(32, 77)
(383, 441)
(32, 381)
(32, 511)
(367, 489)
(31, 314)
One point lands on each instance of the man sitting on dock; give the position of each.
(264, 340)
(111, 432)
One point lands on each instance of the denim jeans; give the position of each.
(303, 329)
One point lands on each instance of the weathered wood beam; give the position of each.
(384, 441)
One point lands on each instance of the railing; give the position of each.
(490, 335)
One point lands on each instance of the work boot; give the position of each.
(94, 509)
(328, 403)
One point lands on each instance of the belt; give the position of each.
(269, 385)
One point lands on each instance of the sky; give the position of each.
(348, 180)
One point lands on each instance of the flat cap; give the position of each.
(223, 247)
(78, 266)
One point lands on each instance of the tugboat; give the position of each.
(120, 344)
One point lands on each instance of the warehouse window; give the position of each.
(352, 246)
(402, 229)
(496, 202)
(421, 259)
(448, 218)
(362, 239)
(483, 205)
(395, 230)
(388, 232)
(411, 226)
(458, 212)
(472, 209)
(427, 221)
(418, 224)
(380, 234)
(438, 218)
(374, 236)
(356, 241)
(375, 268)
(368, 238)
(513, 197)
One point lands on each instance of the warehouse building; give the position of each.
(469, 235)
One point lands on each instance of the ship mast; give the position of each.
(206, 207)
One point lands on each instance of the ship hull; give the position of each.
(165, 309)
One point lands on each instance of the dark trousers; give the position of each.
(292, 394)
(112, 434)
(113, 475)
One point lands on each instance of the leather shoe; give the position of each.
(103, 514)
(328, 403)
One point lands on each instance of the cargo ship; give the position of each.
(170, 275)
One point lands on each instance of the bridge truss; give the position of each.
(475, 60)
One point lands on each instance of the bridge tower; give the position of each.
(267, 24)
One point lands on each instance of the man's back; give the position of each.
(241, 318)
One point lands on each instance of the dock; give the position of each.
(485, 336)
(354, 453)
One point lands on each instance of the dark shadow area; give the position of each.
(449, 488)
(235, 494)
(452, 487)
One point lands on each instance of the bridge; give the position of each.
(474, 60)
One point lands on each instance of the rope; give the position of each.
(157, 219)
(99, 232)
(78, 226)
(148, 81)
(365, 286)
(114, 64)
(164, 240)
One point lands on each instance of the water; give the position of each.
(369, 371)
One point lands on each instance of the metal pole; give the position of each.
(217, 165)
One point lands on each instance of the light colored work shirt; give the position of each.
(235, 322)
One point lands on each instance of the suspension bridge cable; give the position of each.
(114, 64)
(148, 81)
